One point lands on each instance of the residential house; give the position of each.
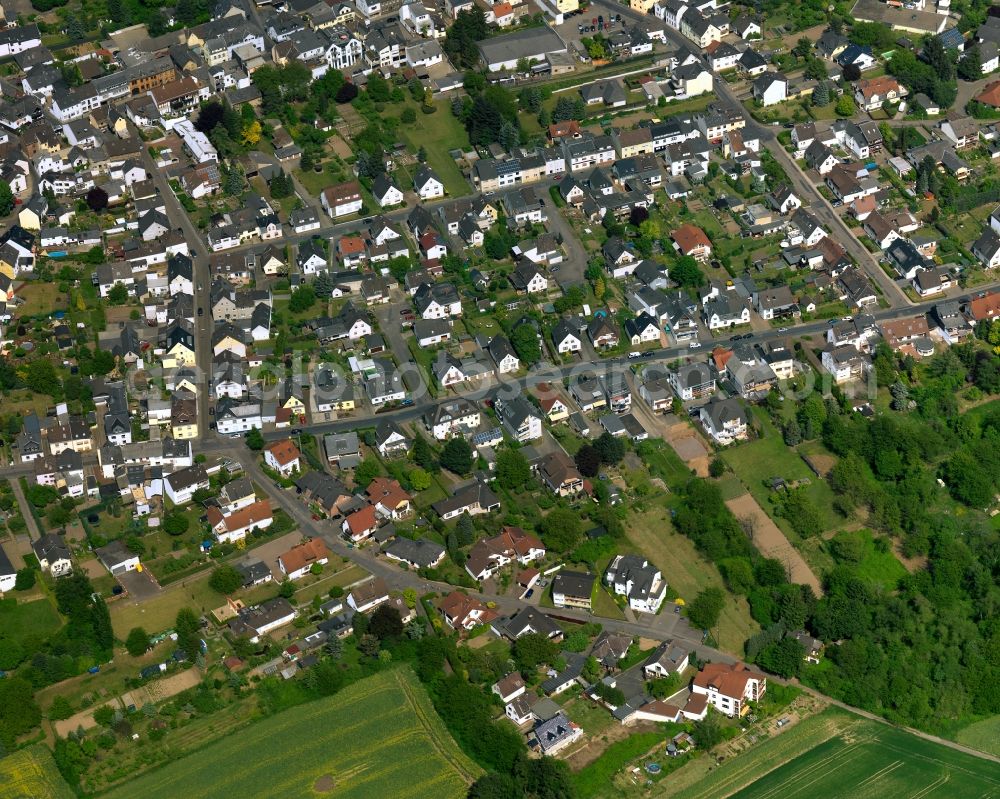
(725, 420)
(691, 240)
(634, 577)
(283, 457)
(489, 555)
(519, 417)
(473, 498)
(300, 559)
(729, 687)
(572, 589)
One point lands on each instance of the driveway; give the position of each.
(140, 586)
(269, 552)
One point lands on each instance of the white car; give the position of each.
(693, 345)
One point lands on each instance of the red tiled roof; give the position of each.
(690, 238)
(985, 307)
(361, 520)
(990, 95)
(284, 452)
(387, 491)
(312, 551)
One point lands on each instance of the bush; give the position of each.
(25, 579)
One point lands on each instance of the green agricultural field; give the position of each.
(837, 755)
(378, 738)
(983, 735)
(32, 772)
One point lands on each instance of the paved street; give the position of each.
(202, 279)
(558, 373)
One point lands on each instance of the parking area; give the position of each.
(269, 552)
(591, 18)
(140, 585)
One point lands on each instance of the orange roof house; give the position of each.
(990, 95)
(564, 130)
(463, 612)
(728, 687)
(388, 497)
(721, 356)
(881, 87)
(691, 240)
(361, 524)
(236, 525)
(283, 456)
(351, 245)
(298, 560)
(985, 307)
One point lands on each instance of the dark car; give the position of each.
(406, 403)
(295, 431)
(735, 338)
(201, 312)
(530, 592)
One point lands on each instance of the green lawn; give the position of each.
(158, 614)
(438, 133)
(879, 567)
(663, 462)
(603, 604)
(757, 461)
(379, 737)
(28, 623)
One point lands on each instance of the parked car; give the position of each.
(694, 345)
(529, 594)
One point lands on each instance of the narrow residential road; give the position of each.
(490, 389)
(202, 280)
(815, 201)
